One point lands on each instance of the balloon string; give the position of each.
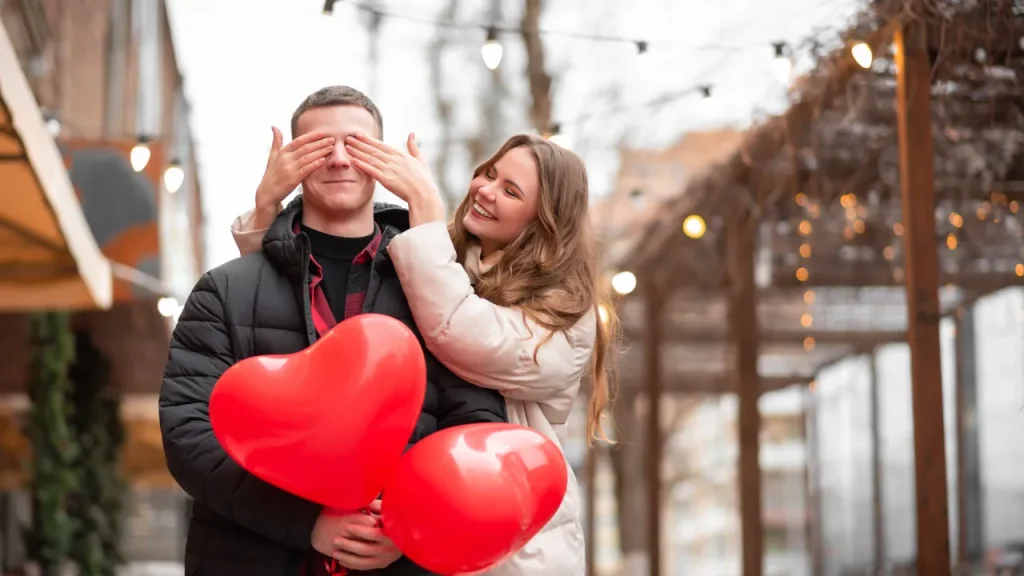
(334, 570)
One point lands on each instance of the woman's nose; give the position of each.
(487, 191)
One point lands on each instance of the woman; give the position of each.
(506, 295)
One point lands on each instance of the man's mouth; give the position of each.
(481, 212)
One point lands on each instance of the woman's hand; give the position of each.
(404, 174)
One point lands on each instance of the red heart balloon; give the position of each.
(328, 423)
(466, 498)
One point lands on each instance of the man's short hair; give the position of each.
(337, 96)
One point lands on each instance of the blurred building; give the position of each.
(104, 98)
(647, 177)
(981, 355)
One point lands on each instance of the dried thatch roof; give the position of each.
(839, 135)
(826, 174)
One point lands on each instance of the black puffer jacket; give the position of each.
(258, 305)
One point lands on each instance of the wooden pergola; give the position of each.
(883, 199)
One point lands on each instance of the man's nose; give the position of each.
(338, 158)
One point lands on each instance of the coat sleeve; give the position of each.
(459, 402)
(248, 239)
(489, 345)
(200, 351)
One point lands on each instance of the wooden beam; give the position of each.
(741, 228)
(654, 301)
(712, 383)
(696, 335)
(913, 103)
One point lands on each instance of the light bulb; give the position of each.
(53, 127)
(167, 306)
(862, 55)
(492, 50)
(694, 226)
(140, 156)
(174, 177)
(782, 66)
(624, 282)
(781, 69)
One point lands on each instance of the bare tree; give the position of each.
(540, 79)
(443, 108)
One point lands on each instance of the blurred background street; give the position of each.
(770, 181)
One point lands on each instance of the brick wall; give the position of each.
(133, 336)
(73, 82)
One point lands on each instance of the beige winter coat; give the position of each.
(492, 346)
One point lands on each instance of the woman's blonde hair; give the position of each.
(550, 269)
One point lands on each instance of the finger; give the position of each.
(275, 144)
(365, 158)
(353, 562)
(370, 171)
(308, 169)
(355, 547)
(375, 506)
(369, 534)
(372, 146)
(313, 156)
(414, 148)
(305, 139)
(315, 146)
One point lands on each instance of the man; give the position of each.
(323, 260)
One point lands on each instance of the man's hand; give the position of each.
(355, 540)
(287, 167)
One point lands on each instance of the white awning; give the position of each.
(48, 256)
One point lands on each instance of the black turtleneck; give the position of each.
(334, 254)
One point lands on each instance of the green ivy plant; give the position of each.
(54, 477)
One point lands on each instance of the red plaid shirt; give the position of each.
(324, 320)
(355, 295)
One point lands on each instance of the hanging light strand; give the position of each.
(642, 45)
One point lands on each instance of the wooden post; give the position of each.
(740, 246)
(877, 501)
(653, 376)
(921, 255)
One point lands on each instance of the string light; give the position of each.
(492, 50)
(782, 66)
(557, 136)
(862, 55)
(624, 282)
(174, 176)
(140, 154)
(694, 226)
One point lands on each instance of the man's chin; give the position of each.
(344, 200)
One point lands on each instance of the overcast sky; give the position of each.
(248, 63)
